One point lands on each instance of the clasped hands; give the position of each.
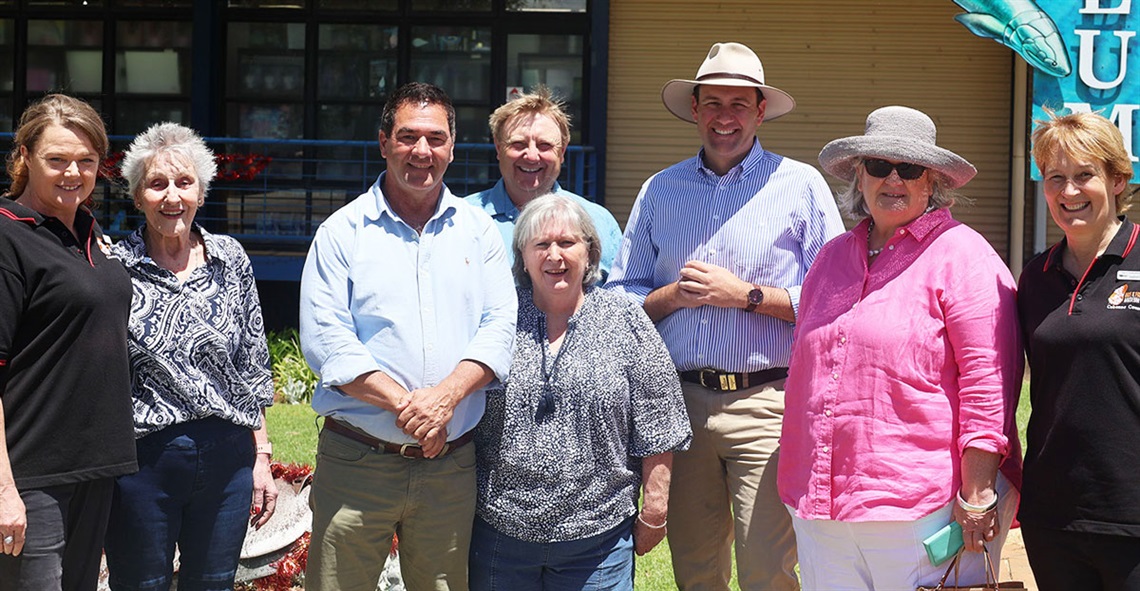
(423, 414)
(702, 284)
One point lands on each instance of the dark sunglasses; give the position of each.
(881, 169)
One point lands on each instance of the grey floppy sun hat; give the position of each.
(896, 133)
(727, 64)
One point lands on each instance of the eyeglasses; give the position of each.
(881, 169)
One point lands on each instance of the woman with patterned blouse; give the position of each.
(200, 380)
(590, 418)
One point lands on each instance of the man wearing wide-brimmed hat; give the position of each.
(715, 250)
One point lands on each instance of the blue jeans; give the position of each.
(500, 562)
(65, 530)
(194, 487)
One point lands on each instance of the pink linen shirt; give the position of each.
(896, 369)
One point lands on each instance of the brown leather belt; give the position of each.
(725, 381)
(407, 450)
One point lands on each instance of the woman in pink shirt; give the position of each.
(905, 373)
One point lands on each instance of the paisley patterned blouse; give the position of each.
(559, 450)
(197, 347)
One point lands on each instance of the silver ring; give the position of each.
(9, 540)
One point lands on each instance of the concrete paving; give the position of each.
(1014, 564)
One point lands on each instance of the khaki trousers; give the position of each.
(361, 497)
(724, 490)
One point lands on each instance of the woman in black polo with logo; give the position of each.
(1079, 304)
(65, 428)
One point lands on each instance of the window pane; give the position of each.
(134, 116)
(357, 61)
(266, 60)
(69, 3)
(349, 123)
(269, 121)
(155, 3)
(7, 74)
(456, 59)
(153, 57)
(450, 5)
(471, 125)
(376, 5)
(65, 55)
(552, 60)
(267, 3)
(547, 5)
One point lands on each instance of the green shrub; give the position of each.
(292, 378)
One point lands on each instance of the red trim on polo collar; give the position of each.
(8, 214)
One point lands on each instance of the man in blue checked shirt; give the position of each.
(716, 249)
(408, 311)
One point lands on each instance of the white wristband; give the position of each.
(650, 525)
(976, 508)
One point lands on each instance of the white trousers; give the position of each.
(888, 555)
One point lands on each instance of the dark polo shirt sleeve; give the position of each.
(1082, 462)
(65, 384)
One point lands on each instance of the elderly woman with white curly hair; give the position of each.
(200, 380)
(904, 375)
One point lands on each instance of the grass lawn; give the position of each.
(293, 430)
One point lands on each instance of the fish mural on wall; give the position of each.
(1022, 26)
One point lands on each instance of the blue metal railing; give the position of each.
(277, 210)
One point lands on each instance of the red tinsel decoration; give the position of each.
(292, 566)
(289, 568)
(290, 472)
(231, 167)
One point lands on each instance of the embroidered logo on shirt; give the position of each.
(1121, 298)
(105, 245)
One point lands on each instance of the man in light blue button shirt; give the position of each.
(531, 134)
(408, 311)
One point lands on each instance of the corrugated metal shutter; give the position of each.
(840, 59)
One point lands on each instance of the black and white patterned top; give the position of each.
(572, 469)
(197, 347)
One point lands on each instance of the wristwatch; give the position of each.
(755, 298)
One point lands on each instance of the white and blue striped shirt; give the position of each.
(764, 220)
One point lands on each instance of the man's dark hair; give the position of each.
(418, 93)
(697, 93)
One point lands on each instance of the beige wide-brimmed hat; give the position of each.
(896, 133)
(728, 64)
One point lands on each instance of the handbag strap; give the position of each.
(991, 571)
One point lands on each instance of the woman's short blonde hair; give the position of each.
(1084, 136)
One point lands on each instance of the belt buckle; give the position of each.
(404, 448)
(701, 377)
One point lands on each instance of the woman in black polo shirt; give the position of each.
(1079, 304)
(64, 379)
